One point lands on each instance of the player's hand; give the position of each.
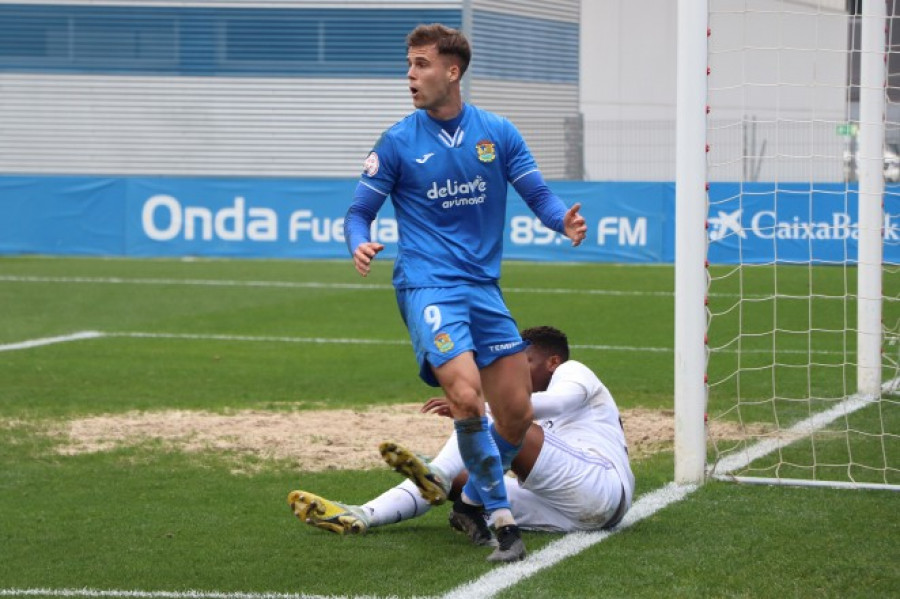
(363, 256)
(575, 225)
(437, 405)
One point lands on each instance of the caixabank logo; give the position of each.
(767, 225)
(765, 236)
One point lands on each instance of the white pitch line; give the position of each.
(623, 348)
(331, 340)
(305, 285)
(263, 338)
(606, 292)
(336, 340)
(363, 286)
(51, 340)
(508, 576)
(193, 282)
(802, 429)
(504, 577)
(357, 341)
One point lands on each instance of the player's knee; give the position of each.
(520, 412)
(465, 401)
(514, 419)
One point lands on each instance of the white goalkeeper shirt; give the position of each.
(579, 409)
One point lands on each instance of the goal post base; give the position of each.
(798, 482)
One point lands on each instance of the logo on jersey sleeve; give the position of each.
(443, 342)
(485, 149)
(370, 166)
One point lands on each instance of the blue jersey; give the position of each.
(448, 182)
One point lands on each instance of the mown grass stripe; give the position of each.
(136, 594)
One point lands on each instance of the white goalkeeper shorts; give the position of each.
(567, 490)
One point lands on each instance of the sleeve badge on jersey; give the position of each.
(485, 149)
(370, 166)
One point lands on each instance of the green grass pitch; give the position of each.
(248, 334)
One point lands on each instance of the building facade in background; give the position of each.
(304, 88)
(284, 88)
(780, 87)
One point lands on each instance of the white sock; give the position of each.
(448, 462)
(501, 517)
(395, 505)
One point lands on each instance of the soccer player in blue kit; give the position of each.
(446, 167)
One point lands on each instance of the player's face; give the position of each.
(542, 366)
(430, 77)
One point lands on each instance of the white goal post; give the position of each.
(787, 318)
(690, 242)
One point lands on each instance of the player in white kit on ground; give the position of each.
(572, 472)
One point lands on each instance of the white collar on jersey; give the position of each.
(452, 141)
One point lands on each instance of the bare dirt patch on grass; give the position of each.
(315, 440)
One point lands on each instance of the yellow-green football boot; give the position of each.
(328, 515)
(432, 484)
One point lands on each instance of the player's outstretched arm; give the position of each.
(549, 208)
(575, 225)
(363, 256)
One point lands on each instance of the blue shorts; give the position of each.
(444, 322)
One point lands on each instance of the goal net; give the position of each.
(802, 243)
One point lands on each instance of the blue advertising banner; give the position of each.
(62, 215)
(627, 222)
(292, 218)
(792, 223)
(274, 218)
(303, 218)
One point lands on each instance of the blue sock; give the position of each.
(508, 451)
(482, 460)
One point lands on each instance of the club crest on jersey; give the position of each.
(485, 151)
(443, 342)
(370, 166)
